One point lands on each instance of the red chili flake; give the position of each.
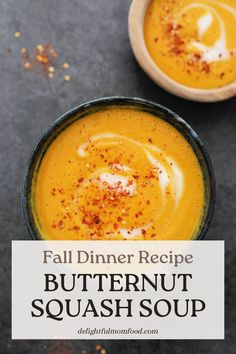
(143, 232)
(197, 56)
(130, 182)
(69, 216)
(84, 221)
(116, 161)
(95, 201)
(170, 27)
(119, 219)
(124, 193)
(150, 140)
(206, 67)
(176, 51)
(61, 191)
(80, 180)
(42, 58)
(96, 219)
(178, 27)
(61, 224)
(190, 62)
(76, 228)
(116, 226)
(152, 175)
(178, 41)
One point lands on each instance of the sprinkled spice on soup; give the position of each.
(193, 42)
(119, 174)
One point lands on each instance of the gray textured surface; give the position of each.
(92, 36)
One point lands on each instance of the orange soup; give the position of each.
(193, 42)
(119, 174)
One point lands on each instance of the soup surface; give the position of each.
(193, 42)
(119, 174)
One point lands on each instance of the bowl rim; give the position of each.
(136, 18)
(115, 101)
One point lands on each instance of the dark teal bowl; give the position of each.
(101, 104)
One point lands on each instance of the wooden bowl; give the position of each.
(137, 14)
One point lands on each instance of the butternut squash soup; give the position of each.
(119, 173)
(193, 42)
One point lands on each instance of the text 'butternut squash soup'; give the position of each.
(119, 174)
(193, 41)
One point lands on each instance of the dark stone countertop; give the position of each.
(92, 36)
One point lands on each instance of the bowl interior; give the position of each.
(103, 104)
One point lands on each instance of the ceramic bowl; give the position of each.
(101, 104)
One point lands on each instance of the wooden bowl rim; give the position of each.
(137, 12)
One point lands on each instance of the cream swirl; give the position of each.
(165, 173)
(218, 51)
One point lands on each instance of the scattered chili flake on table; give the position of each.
(23, 50)
(17, 34)
(98, 347)
(43, 58)
(27, 65)
(67, 78)
(51, 69)
(65, 65)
